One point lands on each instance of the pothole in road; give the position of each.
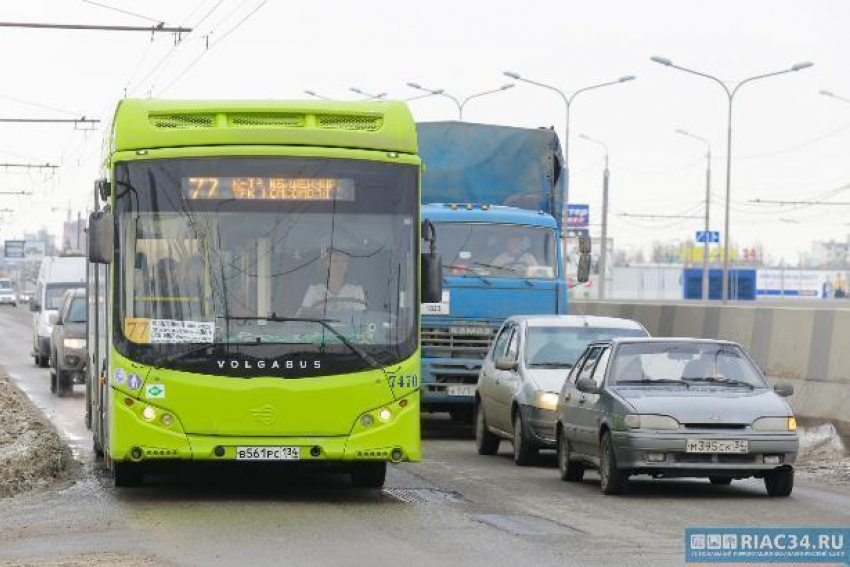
(524, 525)
(425, 496)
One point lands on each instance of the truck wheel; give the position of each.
(64, 387)
(779, 482)
(570, 470)
(525, 451)
(485, 442)
(611, 479)
(127, 475)
(42, 361)
(369, 475)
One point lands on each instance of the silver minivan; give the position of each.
(517, 392)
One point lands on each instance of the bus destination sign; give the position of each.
(268, 188)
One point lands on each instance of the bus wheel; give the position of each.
(369, 475)
(126, 475)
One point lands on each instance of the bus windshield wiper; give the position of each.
(468, 273)
(717, 380)
(158, 361)
(326, 323)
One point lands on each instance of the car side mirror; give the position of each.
(784, 389)
(587, 386)
(505, 363)
(53, 319)
(100, 237)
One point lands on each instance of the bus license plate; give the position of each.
(460, 390)
(716, 446)
(268, 453)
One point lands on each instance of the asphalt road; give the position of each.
(455, 507)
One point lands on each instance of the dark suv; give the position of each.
(68, 342)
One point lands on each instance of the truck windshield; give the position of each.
(506, 251)
(54, 293)
(256, 256)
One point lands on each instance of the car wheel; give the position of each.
(570, 470)
(720, 480)
(64, 387)
(611, 479)
(525, 452)
(369, 475)
(485, 442)
(779, 482)
(127, 475)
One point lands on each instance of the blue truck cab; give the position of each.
(493, 195)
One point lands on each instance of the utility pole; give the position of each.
(705, 273)
(603, 252)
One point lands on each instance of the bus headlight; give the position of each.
(149, 413)
(385, 414)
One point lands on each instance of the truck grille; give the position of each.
(457, 341)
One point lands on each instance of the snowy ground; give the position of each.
(823, 457)
(31, 453)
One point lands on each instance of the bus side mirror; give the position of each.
(103, 188)
(431, 268)
(100, 238)
(583, 272)
(584, 243)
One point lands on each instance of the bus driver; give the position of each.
(336, 294)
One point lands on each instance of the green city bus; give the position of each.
(254, 281)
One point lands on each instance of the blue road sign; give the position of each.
(712, 236)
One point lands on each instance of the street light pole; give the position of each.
(730, 94)
(368, 96)
(314, 94)
(603, 252)
(835, 96)
(568, 100)
(705, 278)
(458, 103)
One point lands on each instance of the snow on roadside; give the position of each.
(31, 453)
(823, 456)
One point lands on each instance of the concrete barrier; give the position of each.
(807, 347)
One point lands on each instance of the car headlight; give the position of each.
(650, 421)
(546, 400)
(775, 424)
(74, 343)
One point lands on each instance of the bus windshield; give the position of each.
(264, 258)
(499, 250)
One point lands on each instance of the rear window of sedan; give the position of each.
(560, 347)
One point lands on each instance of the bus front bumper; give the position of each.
(137, 437)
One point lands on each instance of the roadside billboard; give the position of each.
(802, 284)
(14, 249)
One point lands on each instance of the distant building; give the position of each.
(828, 254)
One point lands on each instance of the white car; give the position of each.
(7, 293)
(517, 392)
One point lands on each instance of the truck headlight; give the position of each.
(546, 400)
(650, 421)
(74, 343)
(775, 424)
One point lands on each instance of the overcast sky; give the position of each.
(790, 142)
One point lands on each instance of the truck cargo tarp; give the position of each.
(496, 165)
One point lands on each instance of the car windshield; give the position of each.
(689, 363)
(77, 311)
(242, 253)
(54, 293)
(560, 347)
(505, 251)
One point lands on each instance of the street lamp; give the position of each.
(367, 95)
(730, 94)
(603, 252)
(426, 95)
(705, 281)
(459, 103)
(316, 95)
(835, 96)
(568, 100)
